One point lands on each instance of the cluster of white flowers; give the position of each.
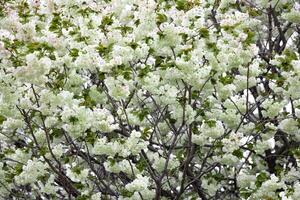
(292, 16)
(233, 142)
(246, 181)
(11, 125)
(139, 184)
(289, 126)
(78, 119)
(119, 88)
(234, 18)
(31, 172)
(103, 147)
(96, 196)
(19, 156)
(131, 99)
(160, 163)
(272, 109)
(49, 187)
(77, 176)
(268, 188)
(209, 130)
(131, 146)
(123, 166)
(38, 67)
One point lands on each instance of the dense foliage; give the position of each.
(149, 99)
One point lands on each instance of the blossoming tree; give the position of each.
(149, 99)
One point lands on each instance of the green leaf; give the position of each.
(204, 32)
(101, 76)
(133, 45)
(91, 137)
(238, 153)
(85, 12)
(141, 165)
(2, 119)
(218, 177)
(24, 12)
(18, 169)
(183, 5)
(9, 177)
(43, 150)
(145, 133)
(73, 119)
(67, 159)
(126, 193)
(253, 12)
(180, 155)
(125, 29)
(123, 70)
(79, 186)
(112, 161)
(213, 47)
(144, 71)
(104, 50)
(290, 55)
(83, 197)
(56, 133)
(55, 25)
(74, 53)
(205, 104)
(143, 113)
(76, 169)
(250, 146)
(161, 18)
(250, 37)
(211, 123)
(245, 193)
(107, 20)
(262, 177)
(278, 169)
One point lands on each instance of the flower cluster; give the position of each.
(152, 99)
